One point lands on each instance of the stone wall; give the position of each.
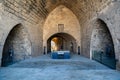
(11, 14)
(29, 10)
(110, 15)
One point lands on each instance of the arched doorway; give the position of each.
(102, 47)
(17, 46)
(61, 41)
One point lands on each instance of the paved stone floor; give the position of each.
(45, 68)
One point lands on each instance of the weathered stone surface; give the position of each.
(33, 14)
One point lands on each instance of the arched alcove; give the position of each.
(17, 46)
(62, 20)
(61, 41)
(102, 46)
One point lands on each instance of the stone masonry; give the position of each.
(81, 16)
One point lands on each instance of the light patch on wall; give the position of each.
(60, 27)
(1, 34)
(1, 10)
(118, 43)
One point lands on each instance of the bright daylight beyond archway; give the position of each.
(62, 42)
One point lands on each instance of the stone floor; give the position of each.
(45, 68)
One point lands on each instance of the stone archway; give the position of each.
(62, 20)
(17, 46)
(62, 41)
(102, 46)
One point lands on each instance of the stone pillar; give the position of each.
(78, 50)
(1, 48)
(44, 52)
(118, 64)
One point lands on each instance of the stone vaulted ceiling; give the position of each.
(83, 9)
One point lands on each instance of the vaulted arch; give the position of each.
(102, 45)
(17, 46)
(61, 20)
